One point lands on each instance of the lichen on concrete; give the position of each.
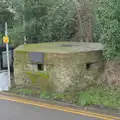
(67, 65)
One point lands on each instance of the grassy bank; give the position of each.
(92, 96)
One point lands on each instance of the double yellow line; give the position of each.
(60, 108)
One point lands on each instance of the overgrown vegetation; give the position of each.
(108, 23)
(99, 96)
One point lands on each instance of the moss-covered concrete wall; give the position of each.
(63, 71)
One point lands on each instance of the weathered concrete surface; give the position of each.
(18, 111)
(66, 64)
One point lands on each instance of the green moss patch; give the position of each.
(38, 79)
(39, 73)
(60, 47)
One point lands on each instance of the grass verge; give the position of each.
(107, 97)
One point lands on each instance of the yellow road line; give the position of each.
(55, 107)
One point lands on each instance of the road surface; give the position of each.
(16, 110)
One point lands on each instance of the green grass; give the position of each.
(91, 96)
(100, 96)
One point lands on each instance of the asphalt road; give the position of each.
(19, 111)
